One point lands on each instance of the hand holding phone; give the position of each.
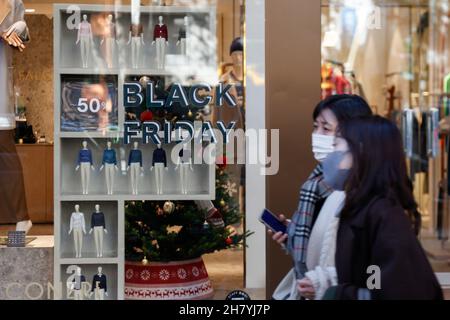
(273, 222)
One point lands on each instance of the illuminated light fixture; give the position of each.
(30, 10)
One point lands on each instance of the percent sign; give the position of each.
(94, 105)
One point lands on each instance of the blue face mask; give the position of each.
(333, 176)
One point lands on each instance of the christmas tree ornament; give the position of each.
(168, 207)
(230, 188)
(229, 241)
(215, 219)
(190, 114)
(143, 81)
(144, 261)
(221, 162)
(232, 231)
(147, 115)
(159, 211)
(222, 203)
(205, 225)
(174, 229)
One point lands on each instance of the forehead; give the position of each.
(327, 116)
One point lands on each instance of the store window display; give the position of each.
(77, 285)
(14, 34)
(99, 285)
(135, 166)
(182, 36)
(136, 40)
(78, 228)
(109, 41)
(184, 164)
(109, 163)
(98, 226)
(159, 163)
(146, 174)
(161, 40)
(84, 38)
(85, 163)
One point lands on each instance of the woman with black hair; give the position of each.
(316, 198)
(377, 255)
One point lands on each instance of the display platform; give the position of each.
(26, 273)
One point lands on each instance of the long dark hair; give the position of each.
(379, 166)
(344, 107)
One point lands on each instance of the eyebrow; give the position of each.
(322, 122)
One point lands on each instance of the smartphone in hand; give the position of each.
(272, 221)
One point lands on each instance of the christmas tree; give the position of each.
(182, 230)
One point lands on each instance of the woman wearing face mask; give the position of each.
(316, 198)
(374, 225)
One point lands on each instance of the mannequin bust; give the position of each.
(85, 162)
(85, 37)
(99, 227)
(109, 162)
(135, 166)
(184, 163)
(77, 285)
(182, 36)
(99, 287)
(78, 226)
(159, 162)
(161, 39)
(13, 36)
(109, 39)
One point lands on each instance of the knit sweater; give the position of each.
(322, 245)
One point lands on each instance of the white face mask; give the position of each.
(322, 145)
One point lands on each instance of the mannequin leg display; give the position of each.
(99, 294)
(183, 173)
(182, 178)
(108, 52)
(13, 205)
(160, 50)
(159, 172)
(85, 49)
(135, 167)
(78, 241)
(111, 178)
(158, 54)
(132, 179)
(98, 237)
(85, 175)
(109, 174)
(75, 243)
(163, 53)
(183, 46)
(97, 250)
(135, 51)
(78, 294)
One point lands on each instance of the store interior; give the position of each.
(396, 55)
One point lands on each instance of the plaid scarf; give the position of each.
(299, 229)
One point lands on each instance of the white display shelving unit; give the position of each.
(67, 182)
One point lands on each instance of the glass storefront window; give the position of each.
(104, 200)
